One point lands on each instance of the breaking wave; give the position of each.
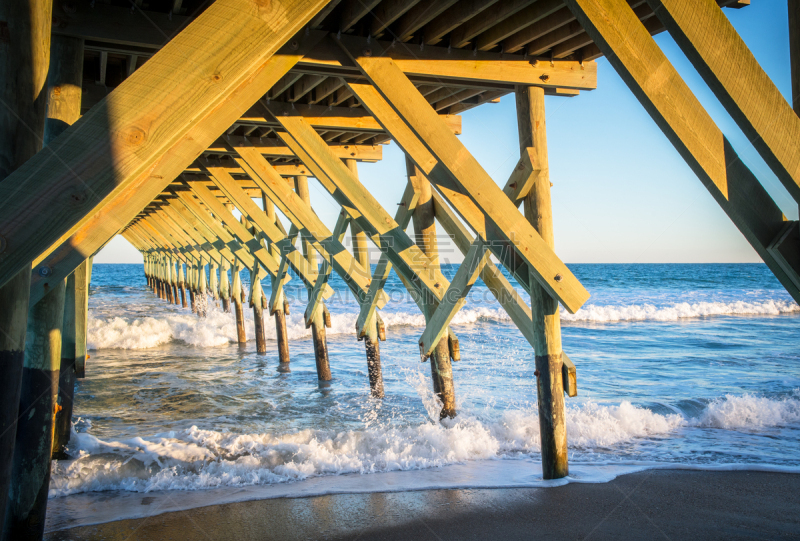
(219, 328)
(195, 459)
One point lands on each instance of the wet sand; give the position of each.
(656, 504)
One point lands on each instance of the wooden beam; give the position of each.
(541, 27)
(331, 118)
(450, 166)
(658, 86)
(737, 79)
(101, 171)
(352, 11)
(462, 65)
(276, 148)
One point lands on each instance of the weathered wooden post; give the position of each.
(236, 295)
(73, 351)
(213, 283)
(257, 303)
(173, 271)
(168, 278)
(191, 275)
(371, 337)
(225, 286)
(279, 305)
(64, 81)
(182, 284)
(425, 231)
(318, 334)
(544, 308)
(24, 60)
(30, 474)
(202, 285)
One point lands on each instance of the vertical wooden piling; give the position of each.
(257, 303)
(225, 286)
(24, 63)
(172, 262)
(425, 230)
(64, 80)
(279, 310)
(73, 351)
(191, 276)
(371, 338)
(182, 284)
(318, 334)
(213, 283)
(236, 295)
(30, 470)
(202, 286)
(544, 308)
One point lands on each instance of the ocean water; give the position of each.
(677, 366)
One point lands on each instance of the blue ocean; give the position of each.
(678, 365)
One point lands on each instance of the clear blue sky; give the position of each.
(621, 193)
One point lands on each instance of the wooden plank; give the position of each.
(363, 207)
(103, 169)
(117, 25)
(669, 101)
(330, 118)
(539, 28)
(388, 12)
(352, 11)
(459, 173)
(524, 19)
(275, 148)
(458, 64)
(452, 19)
(384, 267)
(465, 33)
(740, 83)
(418, 16)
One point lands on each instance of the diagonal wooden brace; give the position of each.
(315, 296)
(303, 216)
(406, 256)
(448, 163)
(456, 295)
(384, 267)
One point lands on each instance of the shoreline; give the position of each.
(656, 503)
(98, 508)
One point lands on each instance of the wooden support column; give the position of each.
(425, 230)
(182, 284)
(225, 286)
(237, 297)
(174, 272)
(257, 300)
(544, 307)
(73, 351)
(24, 61)
(278, 306)
(318, 334)
(201, 288)
(30, 474)
(371, 338)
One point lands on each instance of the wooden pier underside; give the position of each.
(191, 110)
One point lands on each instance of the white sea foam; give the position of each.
(199, 459)
(219, 328)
